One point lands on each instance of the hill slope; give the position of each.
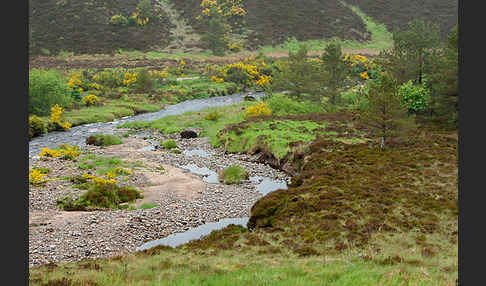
(84, 27)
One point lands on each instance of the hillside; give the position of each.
(396, 14)
(84, 27)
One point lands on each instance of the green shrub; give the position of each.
(103, 140)
(47, 88)
(213, 116)
(233, 175)
(36, 126)
(284, 105)
(110, 79)
(415, 97)
(144, 82)
(145, 7)
(118, 20)
(100, 196)
(169, 144)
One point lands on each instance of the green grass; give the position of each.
(178, 123)
(233, 175)
(276, 135)
(103, 140)
(102, 164)
(169, 144)
(146, 206)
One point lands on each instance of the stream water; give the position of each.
(77, 135)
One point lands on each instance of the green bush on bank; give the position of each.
(47, 88)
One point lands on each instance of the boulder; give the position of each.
(188, 134)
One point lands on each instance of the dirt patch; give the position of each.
(174, 180)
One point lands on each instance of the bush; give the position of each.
(36, 126)
(233, 175)
(119, 20)
(47, 88)
(103, 140)
(144, 82)
(415, 97)
(213, 116)
(66, 152)
(258, 109)
(90, 99)
(284, 105)
(169, 144)
(110, 79)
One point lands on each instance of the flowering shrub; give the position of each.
(263, 80)
(364, 75)
(258, 109)
(110, 79)
(90, 99)
(66, 152)
(159, 75)
(180, 68)
(36, 177)
(55, 119)
(213, 116)
(122, 171)
(216, 79)
(129, 79)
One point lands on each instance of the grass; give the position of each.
(233, 175)
(103, 140)
(102, 164)
(169, 144)
(146, 206)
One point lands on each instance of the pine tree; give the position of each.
(387, 116)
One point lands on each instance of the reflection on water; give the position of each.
(268, 185)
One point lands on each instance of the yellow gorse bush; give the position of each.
(263, 80)
(216, 79)
(74, 81)
(65, 152)
(36, 177)
(90, 99)
(258, 109)
(56, 113)
(100, 180)
(129, 79)
(364, 75)
(159, 74)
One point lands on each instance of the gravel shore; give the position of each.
(56, 235)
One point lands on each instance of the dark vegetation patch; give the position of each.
(396, 14)
(83, 27)
(345, 193)
(233, 175)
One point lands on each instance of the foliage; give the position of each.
(143, 82)
(129, 79)
(36, 126)
(412, 52)
(111, 79)
(415, 97)
(145, 8)
(233, 175)
(335, 67)
(103, 140)
(90, 99)
(169, 144)
(300, 75)
(213, 116)
(37, 177)
(55, 119)
(218, 17)
(280, 104)
(258, 109)
(387, 116)
(64, 151)
(46, 88)
(119, 20)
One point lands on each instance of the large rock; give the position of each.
(188, 134)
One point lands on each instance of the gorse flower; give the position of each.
(129, 79)
(258, 109)
(56, 113)
(36, 177)
(66, 152)
(90, 99)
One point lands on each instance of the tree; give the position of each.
(412, 51)
(386, 116)
(335, 67)
(300, 76)
(215, 38)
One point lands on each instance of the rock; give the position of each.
(249, 98)
(186, 134)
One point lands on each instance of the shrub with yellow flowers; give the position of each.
(217, 79)
(90, 99)
(180, 69)
(55, 119)
(258, 109)
(37, 177)
(65, 152)
(129, 79)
